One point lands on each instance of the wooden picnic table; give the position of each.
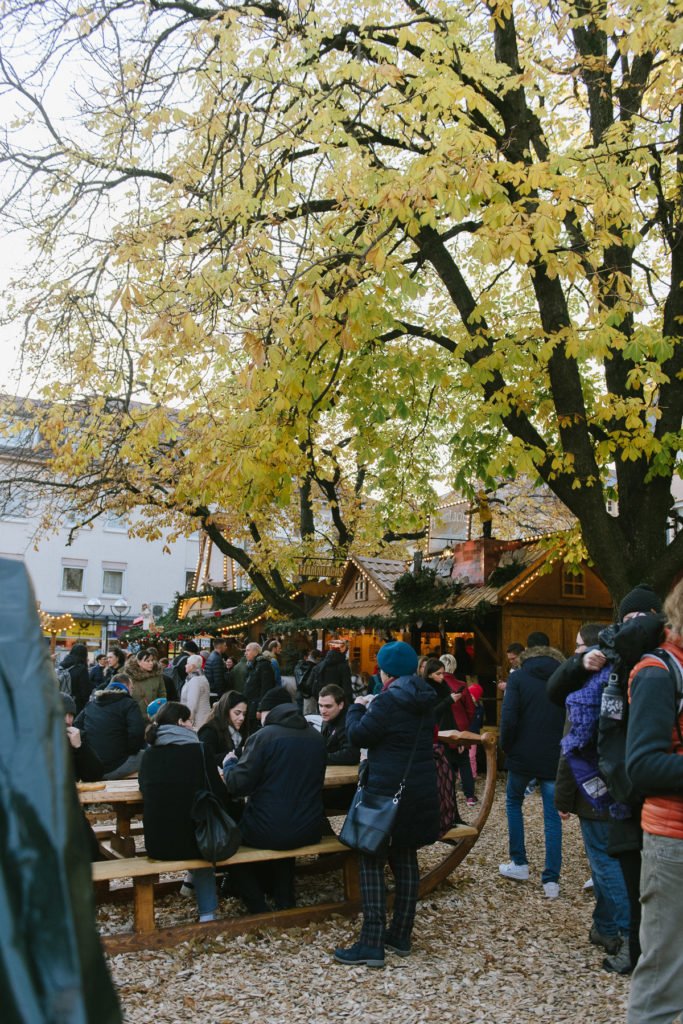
(125, 798)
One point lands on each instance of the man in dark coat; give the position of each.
(259, 678)
(530, 732)
(76, 662)
(215, 669)
(334, 668)
(282, 771)
(115, 728)
(332, 707)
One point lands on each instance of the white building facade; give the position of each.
(104, 578)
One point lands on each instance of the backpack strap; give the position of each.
(661, 658)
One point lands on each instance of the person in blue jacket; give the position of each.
(387, 725)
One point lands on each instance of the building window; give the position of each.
(116, 523)
(573, 584)
(72, 579)
(14, 502)
(112, 582)
(360, 589)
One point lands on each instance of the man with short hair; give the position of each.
(215, 669)
(332, 708)
(115, 728)
(97, 671)
(530, 733)
(282, 772)
(258, 680)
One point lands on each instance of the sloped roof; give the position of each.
(529, 557)
(384, 571)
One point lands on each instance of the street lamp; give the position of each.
(119, 609)
(93, 607)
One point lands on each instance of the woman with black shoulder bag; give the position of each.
(396, 727)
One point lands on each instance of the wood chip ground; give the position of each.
(485, 950)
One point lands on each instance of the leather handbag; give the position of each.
(371, 817)
(218, 836)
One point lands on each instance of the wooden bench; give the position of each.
(329, 852)
(144, 873)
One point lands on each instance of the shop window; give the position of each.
(573, 584)
(360, 589)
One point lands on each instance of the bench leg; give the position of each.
(351, 877)
(143, 903)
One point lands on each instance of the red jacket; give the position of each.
(463, 709)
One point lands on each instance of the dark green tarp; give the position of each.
(52, 968)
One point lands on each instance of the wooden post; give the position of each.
(143, 903)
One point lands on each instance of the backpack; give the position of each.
(64, 680)
(178, 671)
(613, 721)
(624, 645)
(303, 677)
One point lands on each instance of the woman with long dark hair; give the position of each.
(225, 729)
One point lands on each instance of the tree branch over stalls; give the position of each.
(346, 207)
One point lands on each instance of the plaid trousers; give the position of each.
(403, 864)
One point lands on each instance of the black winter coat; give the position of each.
(170, 777)
(334, 668)
(81, 687)
(531, 726)
(216, 672)
(387, 727)
(339, 749)
(567, 678)
(113, 725)
(282, 771)
(258, 680)
(217, 744)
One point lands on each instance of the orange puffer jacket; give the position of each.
(663, 815)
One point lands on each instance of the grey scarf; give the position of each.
(168, 734)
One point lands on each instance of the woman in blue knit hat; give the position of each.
(387, 725)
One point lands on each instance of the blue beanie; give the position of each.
(397, 659)
(155, 705)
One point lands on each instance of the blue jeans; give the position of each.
(552, 826)
(204, 881)
(612, 914)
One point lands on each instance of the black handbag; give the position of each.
(371, 817)
(217, 835)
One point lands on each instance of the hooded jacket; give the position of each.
(531, 725)
(113, 725)
(282, 771)
(387, 728)
(147, 686)
(170, 776)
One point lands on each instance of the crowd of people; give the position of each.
(261, 739)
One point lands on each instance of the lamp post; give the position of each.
(119, 608)
(93, 607)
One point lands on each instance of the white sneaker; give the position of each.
(551, 889)
(588, 885)
(518, 872)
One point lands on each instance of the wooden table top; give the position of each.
(127, 791)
